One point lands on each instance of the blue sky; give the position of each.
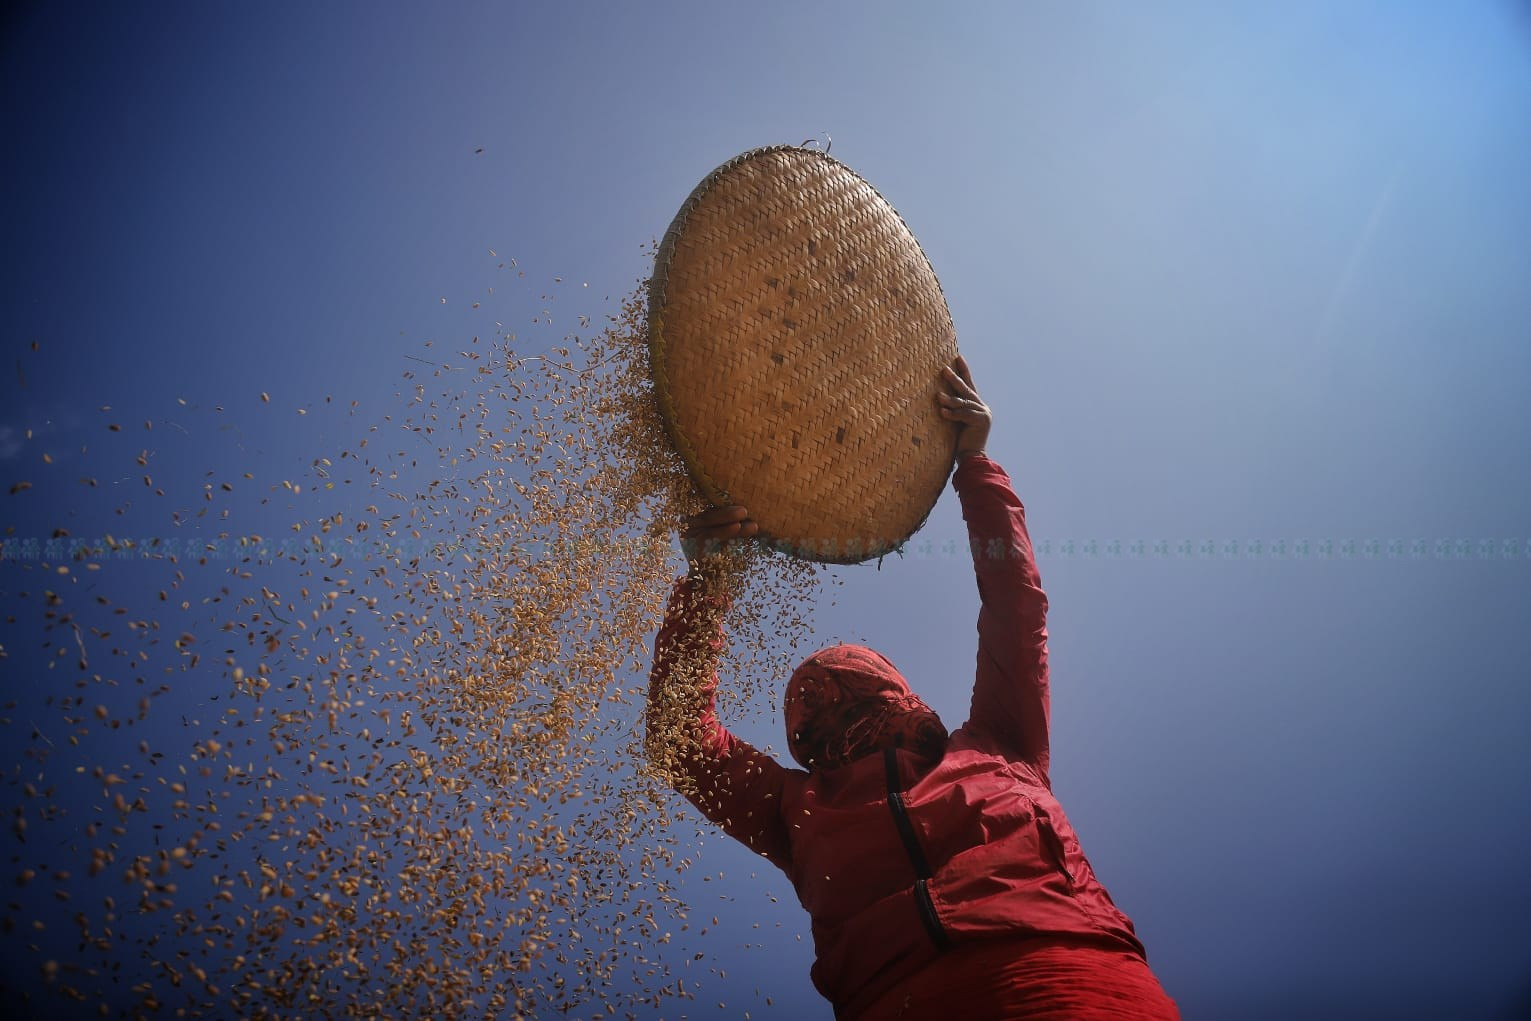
(1227, 274)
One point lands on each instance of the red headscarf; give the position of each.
(846, 702)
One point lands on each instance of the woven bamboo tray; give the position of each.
(797, 338)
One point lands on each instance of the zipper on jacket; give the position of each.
(928, 916)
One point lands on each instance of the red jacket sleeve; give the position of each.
(730, 782)
(1010, 694)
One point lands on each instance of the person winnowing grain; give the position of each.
(942, 877)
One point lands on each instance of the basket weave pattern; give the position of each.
(798, 333)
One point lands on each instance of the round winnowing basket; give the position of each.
(797, 339)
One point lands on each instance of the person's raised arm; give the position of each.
(733, 784)
(1010, 693)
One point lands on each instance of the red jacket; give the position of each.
(896, 857)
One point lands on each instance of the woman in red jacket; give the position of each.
(941, 876)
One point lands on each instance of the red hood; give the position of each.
(846, 702)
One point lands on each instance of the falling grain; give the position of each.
(397, 756)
